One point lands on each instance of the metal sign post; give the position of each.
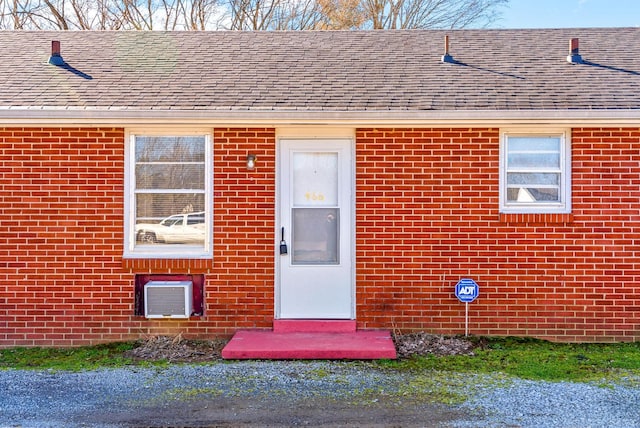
(467, 290)
(466, 319)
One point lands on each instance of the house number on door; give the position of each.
(314, 196)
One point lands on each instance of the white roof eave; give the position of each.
(271, 117)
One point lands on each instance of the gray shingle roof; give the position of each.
(329, 72)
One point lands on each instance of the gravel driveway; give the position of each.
(311, 394)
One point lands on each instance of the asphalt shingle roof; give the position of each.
(341, 71)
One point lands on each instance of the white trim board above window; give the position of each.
(168, 195)
(535, 172)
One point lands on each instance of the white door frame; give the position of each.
(348, 139)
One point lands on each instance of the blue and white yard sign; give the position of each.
(467, 290)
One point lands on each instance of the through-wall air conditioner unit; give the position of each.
(167, 299)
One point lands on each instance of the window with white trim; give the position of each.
(535, 172)
(168, 195)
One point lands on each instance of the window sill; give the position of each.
(166, 256)
(177, 265)
(536, 218)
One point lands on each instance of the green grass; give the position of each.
(71, 359)
(523, 358)
(538, 360)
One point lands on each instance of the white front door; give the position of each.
(315, 276)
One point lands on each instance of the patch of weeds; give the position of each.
(318, 374)
(386, 363)
(184, 394)
(536, 360)
(67, 359)
(449, 388)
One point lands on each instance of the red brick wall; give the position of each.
(240, 286)
(62, 276)
(61, 231)
(427, 215)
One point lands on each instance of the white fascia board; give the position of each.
(377, 118)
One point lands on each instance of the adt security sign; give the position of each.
(467, 290)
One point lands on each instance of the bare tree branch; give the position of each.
(395, 14)
(245, 14)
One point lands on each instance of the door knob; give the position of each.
(283, 243)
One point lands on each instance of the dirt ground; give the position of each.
(178, 349)
(242, 412)
(286, 411)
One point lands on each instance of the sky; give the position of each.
(569, 14)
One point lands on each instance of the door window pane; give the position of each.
(315, 236)
(315, 179)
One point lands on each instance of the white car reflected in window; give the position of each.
(176, 229)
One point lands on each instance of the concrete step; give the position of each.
(314, 326)
(306, 341)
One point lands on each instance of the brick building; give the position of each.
(205, 182)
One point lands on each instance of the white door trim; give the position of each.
(298, 136)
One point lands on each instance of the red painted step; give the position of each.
(314, 326)
(305, 340)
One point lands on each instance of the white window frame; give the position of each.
(563, 206)
(161, 251)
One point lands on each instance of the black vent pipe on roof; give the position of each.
(56, 57)
(574, 52)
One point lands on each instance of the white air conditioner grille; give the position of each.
(167, 299)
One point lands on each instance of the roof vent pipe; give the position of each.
(574, 52)
(56, 57)
(446, 57)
